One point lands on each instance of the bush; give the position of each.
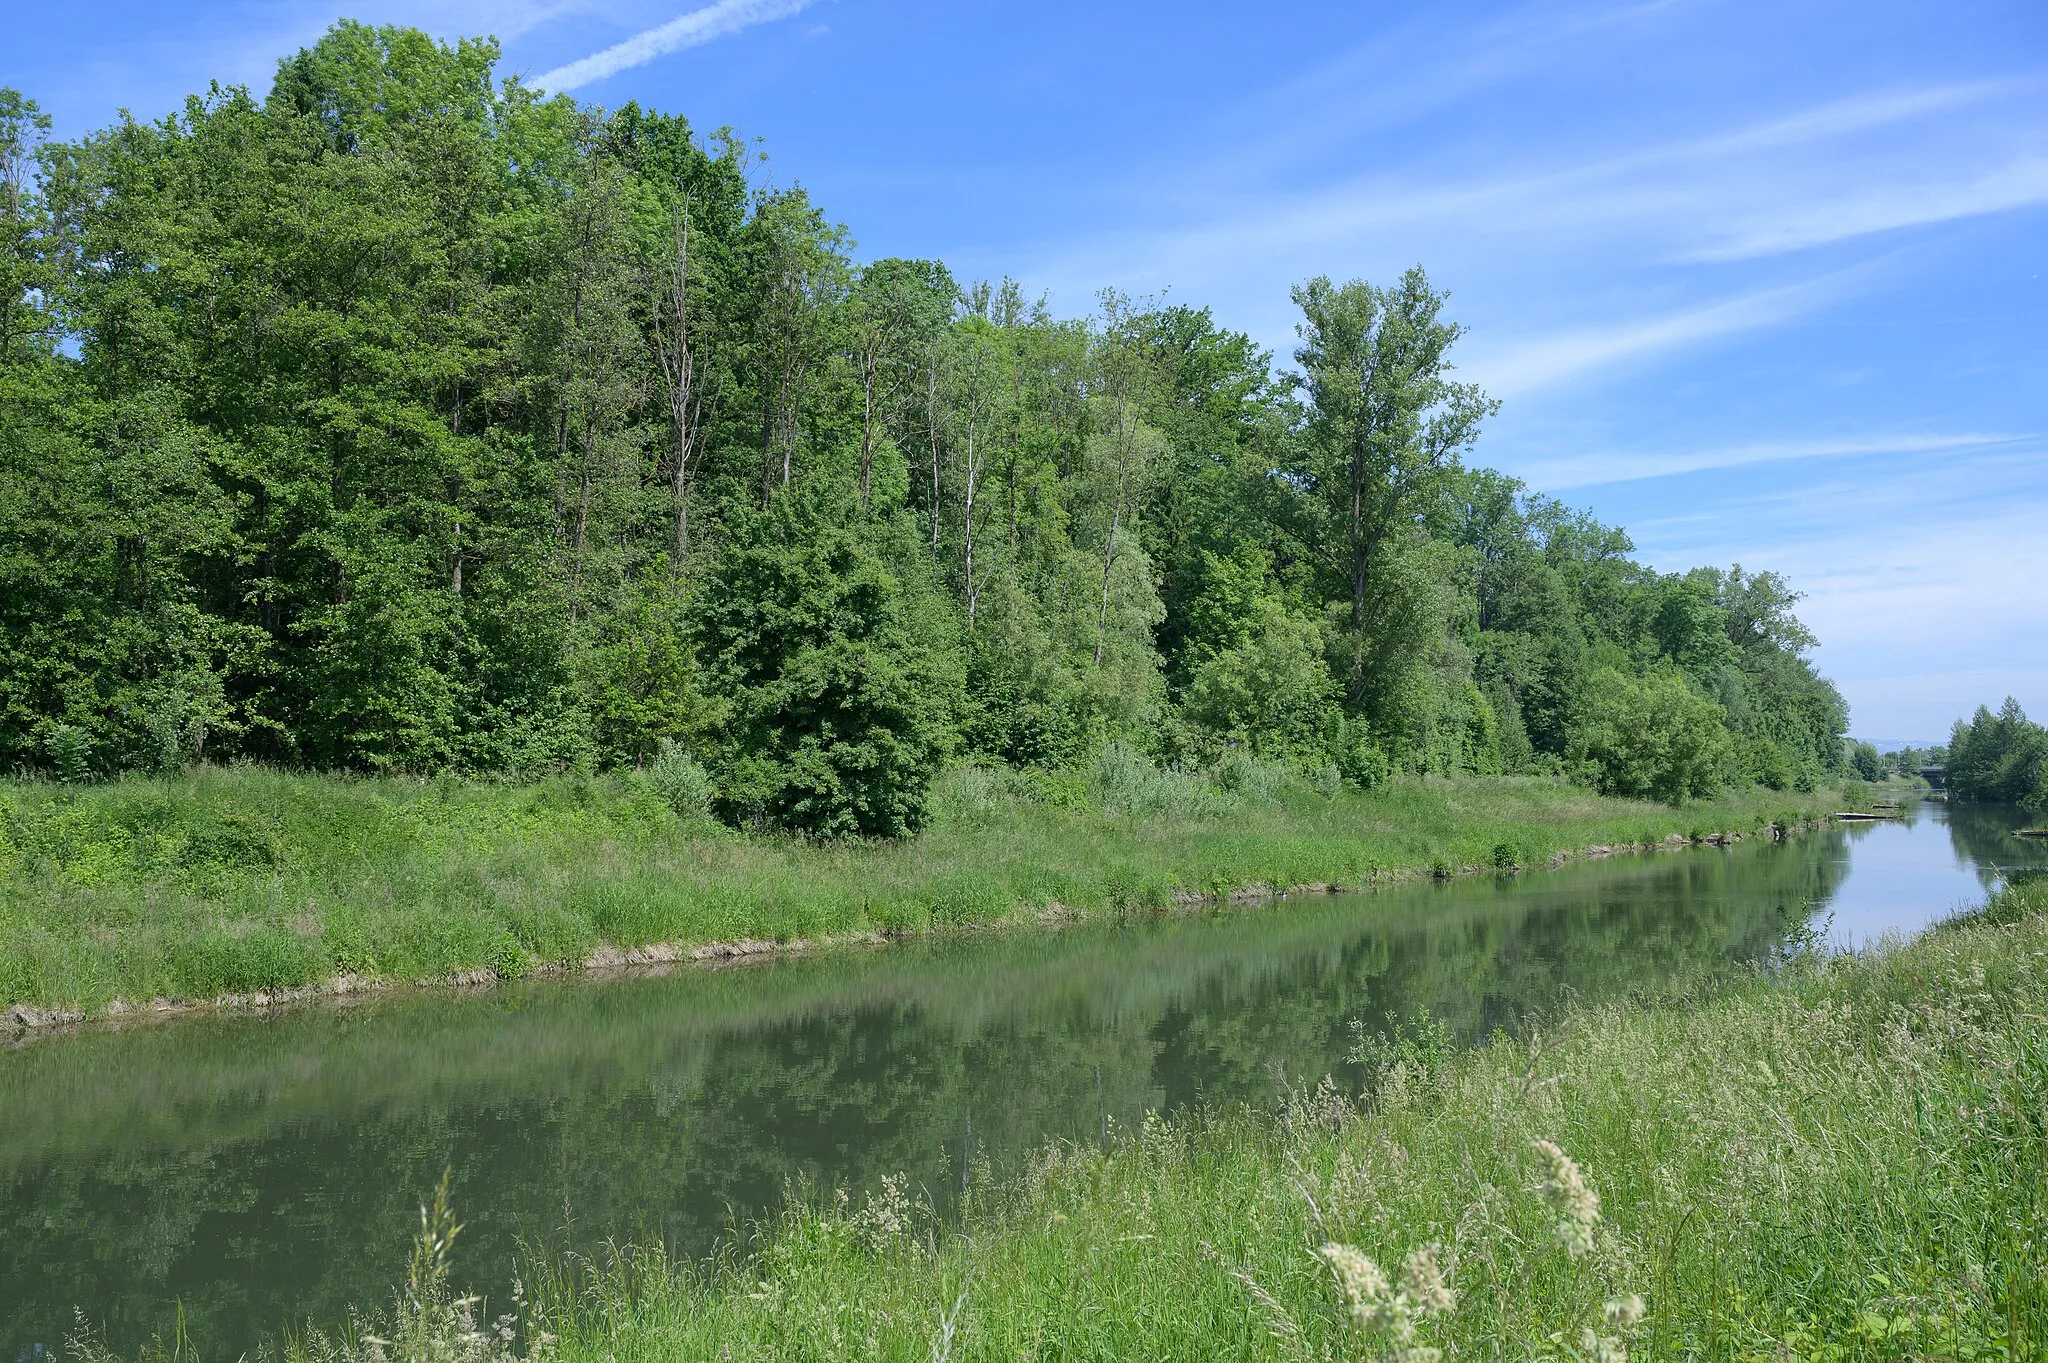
(680, 782)
(1654, 736)
(70, 749)
(1270, 693)
(1122, 782)
(841, 671)
(1239, 773)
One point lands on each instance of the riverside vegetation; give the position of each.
(405, 419)
(1839, 1159)
(405, 422)
(445, 527)
(233, 880)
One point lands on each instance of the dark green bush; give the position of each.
(840, 668)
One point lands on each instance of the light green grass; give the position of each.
(242, 879)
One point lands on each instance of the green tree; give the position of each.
(2001, 757)
(1652, 736)
(840, 670)
(1386, 428)
(1271, 691)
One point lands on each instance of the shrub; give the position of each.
(1122, 782)
(1654, 736)
(680, 781)
(1239, 773)
(1270, 693)
(841, 671)
(70, 749)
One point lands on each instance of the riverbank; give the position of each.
(242, 885)
(1839, 1160)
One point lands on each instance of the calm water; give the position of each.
(266, 1170)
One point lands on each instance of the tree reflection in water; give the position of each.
(267, 1170)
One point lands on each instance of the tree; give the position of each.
(798, 274)
(1386, 428)
(974, 365)
(1999, 757)
(1271, 691)
(402, 418)
(1125, 448)
(895, 310)
(1654, 736)
(841, 675)
(26, 276)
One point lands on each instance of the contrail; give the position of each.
(687, 30)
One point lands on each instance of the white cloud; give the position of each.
(1926, 578)
(1548, 360)
(687, 30)
(2019, 183)
(1617, 466)
(1832, 172)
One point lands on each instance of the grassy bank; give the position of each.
(1843, 1160)
(237, 880)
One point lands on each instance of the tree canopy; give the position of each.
(402, 419)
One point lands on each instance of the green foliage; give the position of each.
(70, 752)
(841, 678)
(1652, 737)
(1765, 763)
(680, 781)
(1271, 691)
(409, 422)
(242, 878)
(1122, 782)
(1999, 757)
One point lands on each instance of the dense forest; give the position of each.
(404, 419)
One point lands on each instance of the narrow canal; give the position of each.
(263, 1171)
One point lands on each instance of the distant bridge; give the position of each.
(1936, 776)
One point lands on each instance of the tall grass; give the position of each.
(1844, 1160)
(239, 880)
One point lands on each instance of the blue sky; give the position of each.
(1761, 280)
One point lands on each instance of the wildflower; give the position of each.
(1624, 1313)
(1566, 1190)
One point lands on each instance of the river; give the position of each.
(260, 1171)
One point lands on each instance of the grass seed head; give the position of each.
(1565, 1188)
(1365, 1289)
(1423, 1283)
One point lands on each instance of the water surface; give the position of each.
(266, 1170)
